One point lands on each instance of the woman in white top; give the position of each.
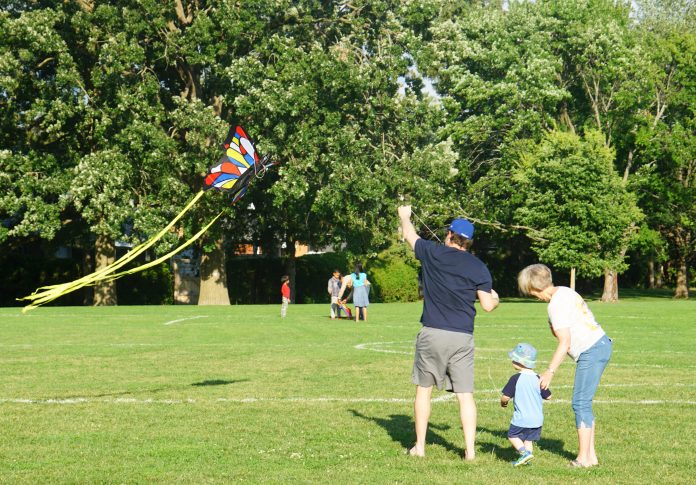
(583, 339)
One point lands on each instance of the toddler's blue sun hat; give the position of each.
(524, 354)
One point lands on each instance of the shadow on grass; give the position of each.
(217, 382)
(507, 453)
(401, 429)
(209, 382)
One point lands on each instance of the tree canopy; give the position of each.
(568, 123)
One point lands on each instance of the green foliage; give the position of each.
(325, 101)
(666, 146)
(110, 113)
(394, 275)
(580, 207)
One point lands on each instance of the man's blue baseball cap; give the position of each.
(462, 227)
(524, 354)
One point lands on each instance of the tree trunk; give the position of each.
(682, 288)
(87, 268)
(186, 280)
(572, 278)
(105, 254)
(658, 276)
(290, 269)
(611, 286)
(651, 273)
(213, 288)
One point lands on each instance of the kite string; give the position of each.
(426, 226)
(402, 198)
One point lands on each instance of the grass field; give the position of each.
(225, 394)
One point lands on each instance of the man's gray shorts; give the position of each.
(444, 359)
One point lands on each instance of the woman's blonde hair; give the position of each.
(536, 277)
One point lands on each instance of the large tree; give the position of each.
(326, 97)
(577, 203)
(665, 142)
(508, 76)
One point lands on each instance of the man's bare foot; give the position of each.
(416, 452)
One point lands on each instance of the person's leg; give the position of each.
(593, 454)
(365, 313)
(529, 446)
(284, 307)
(517, 443)
(467, 414)
(590, 366)
(334, 309)
(357, 314)
(460, 372)
(421, 409)
(523, 445)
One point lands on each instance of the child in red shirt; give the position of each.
(285, 291)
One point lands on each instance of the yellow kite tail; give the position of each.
(48, 293)
(165, 257)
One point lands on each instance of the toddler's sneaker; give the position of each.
(524, 458)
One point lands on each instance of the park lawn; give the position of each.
(224, 394)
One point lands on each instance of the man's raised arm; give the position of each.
(409, 232)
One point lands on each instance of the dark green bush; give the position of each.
(256, 280)
(394, 275)
(313, 272)
(154, 286)
(29, 267)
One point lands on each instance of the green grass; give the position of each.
(115, 395)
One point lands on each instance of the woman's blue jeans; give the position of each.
(590, 366)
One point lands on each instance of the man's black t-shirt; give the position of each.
(451, 278)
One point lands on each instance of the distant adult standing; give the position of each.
(452, 280)
(333, 287)
(582, 338)
(358, 281)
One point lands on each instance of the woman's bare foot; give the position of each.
(416, 452)
(468, 456)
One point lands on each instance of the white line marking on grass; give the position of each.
(310, 400)
(378, 347)
(374, 346)
(184, 319)
(601, 386)
(68, 344)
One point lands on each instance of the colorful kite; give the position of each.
(344, 307)
(236, 166)
(234, 172)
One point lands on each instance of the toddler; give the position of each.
(523, 388)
